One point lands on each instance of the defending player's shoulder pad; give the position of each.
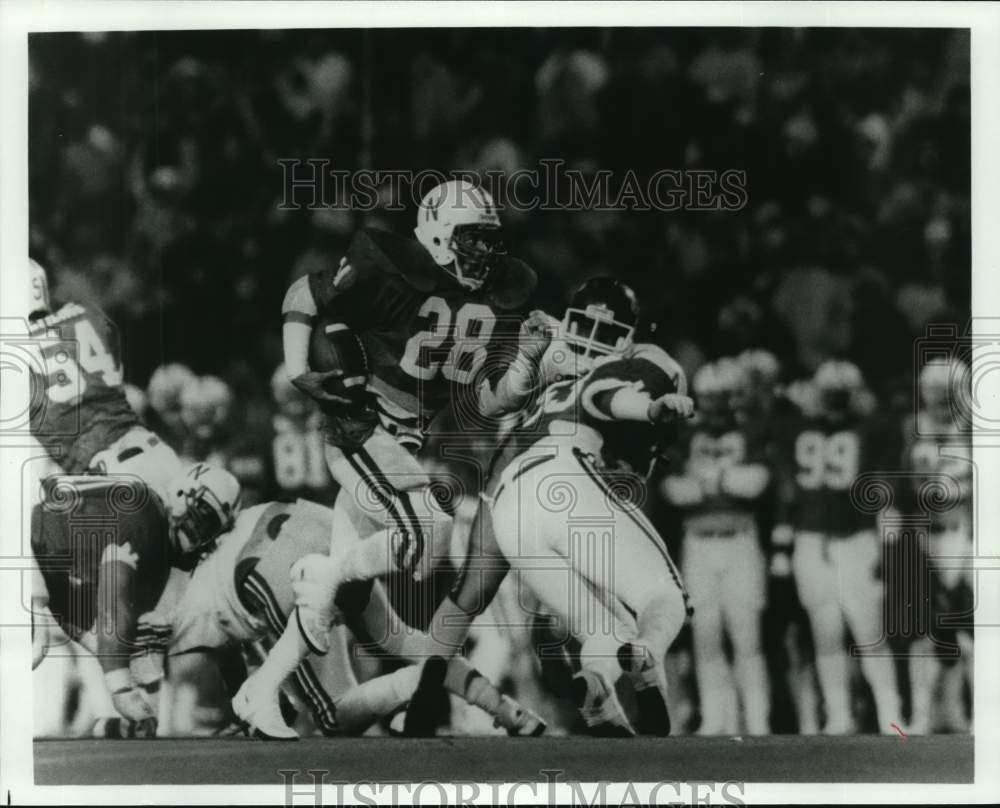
(382, 252)
(645, 367)
(513, 284)
(645, 353)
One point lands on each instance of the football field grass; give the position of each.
(781, 758)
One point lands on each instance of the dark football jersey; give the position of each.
(938, 459)
(427, 338)
(78, 402)
(86, 522)
(705, 454)
(297, 464)
(821, 461)
(579, 407)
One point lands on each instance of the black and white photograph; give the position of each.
(401, 404)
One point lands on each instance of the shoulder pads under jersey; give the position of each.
(659, 357)
(513, 284)
(383, 252)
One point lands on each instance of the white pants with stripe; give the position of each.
(593, 560)
(386, 497)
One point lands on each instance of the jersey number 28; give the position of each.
(473, 326)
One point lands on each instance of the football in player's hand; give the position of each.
(338, 361)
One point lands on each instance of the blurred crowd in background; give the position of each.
(155, 192)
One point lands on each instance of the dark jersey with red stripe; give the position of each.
(821, 461)
(579, 408)
(427, 338)
(89, 528)
(78, 404)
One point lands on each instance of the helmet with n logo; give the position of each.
(203, 503)
(457, 223)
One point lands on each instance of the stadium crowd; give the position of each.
(155, 193)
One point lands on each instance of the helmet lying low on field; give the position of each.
(202, 504)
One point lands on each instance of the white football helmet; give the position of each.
(136, 398)
(38, 290)
(839, 386)
(715, 386)
(457, 223)
(206, 403)
(943, 384)
(202, 504)
(165, 386)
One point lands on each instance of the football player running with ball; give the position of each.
(382, 343)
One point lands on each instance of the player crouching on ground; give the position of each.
(242, 593)
(104, 547)
(719, 472)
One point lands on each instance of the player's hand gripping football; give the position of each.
(325, 387)
(670, 407)
(537, 332)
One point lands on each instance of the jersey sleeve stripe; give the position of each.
(299, 317)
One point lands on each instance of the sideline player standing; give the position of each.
(439, 319)
(722, 471)
(939, 460)
(838, 548)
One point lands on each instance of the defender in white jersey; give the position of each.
(560, 513)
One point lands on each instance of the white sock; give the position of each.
(751, 677)
(714, 694)
(363, 705)
(833, 682)
(880, 671)
(282, 659)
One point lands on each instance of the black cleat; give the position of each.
(429, 702)
(652, 717)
